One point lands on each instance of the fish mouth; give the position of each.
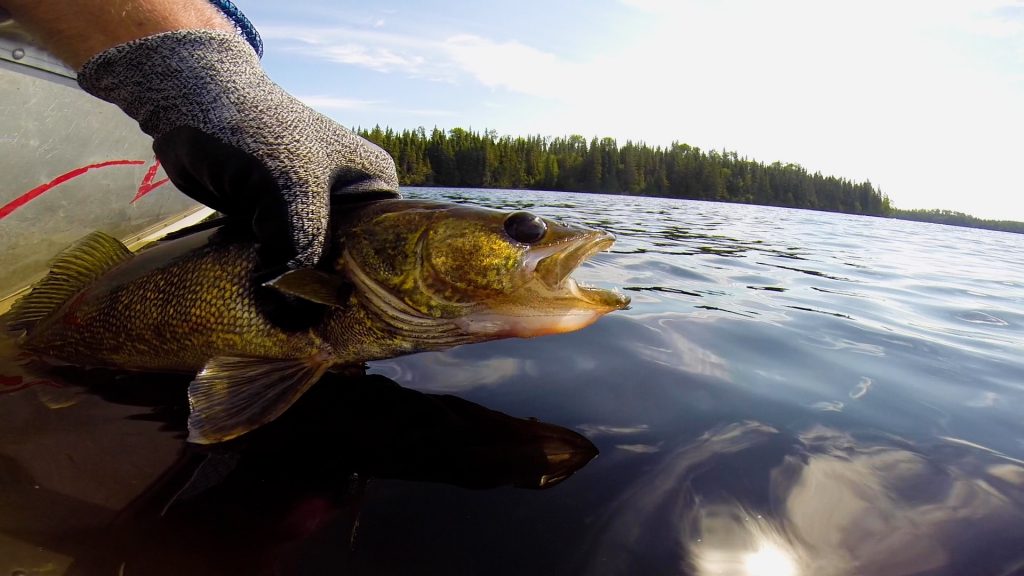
(552, 302)
(553, 270)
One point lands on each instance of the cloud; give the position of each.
(320, 102)
(515, 66)
(509, 65)
(594, 430)
(449, 372)
(638, 448)
(428, 112)
(380, 59)
(999, 19)
(837, 505)
(889, 91)
(374, 49)
(328, 104)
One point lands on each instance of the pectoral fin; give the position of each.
(313, 285)
(232, 396)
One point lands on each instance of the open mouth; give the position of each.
(553, 271)
(554, 268)
(553, 302)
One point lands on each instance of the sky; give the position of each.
(924, 98)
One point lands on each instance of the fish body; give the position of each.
(399, 276)
(170, 308)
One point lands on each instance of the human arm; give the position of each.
(76, 30)
(224, 132)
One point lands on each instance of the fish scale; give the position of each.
(401, 276)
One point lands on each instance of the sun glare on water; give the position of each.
(769, 560)
(735, 542)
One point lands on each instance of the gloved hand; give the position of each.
(232, 139)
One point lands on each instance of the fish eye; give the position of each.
(525, 227)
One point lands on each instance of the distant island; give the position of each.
(469, 159)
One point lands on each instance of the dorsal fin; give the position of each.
(71, 271)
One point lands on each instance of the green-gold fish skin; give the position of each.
(399, 276)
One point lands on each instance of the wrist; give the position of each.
(76, 30)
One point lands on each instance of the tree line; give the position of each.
(470, 159)
(957, 219)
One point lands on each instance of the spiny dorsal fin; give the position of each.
(232, 396)
(71, 271)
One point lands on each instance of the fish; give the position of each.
(398, 277)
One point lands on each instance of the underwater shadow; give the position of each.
(246, 505)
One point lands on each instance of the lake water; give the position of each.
(791, 393)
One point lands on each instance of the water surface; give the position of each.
(791, 392)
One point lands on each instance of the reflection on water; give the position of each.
(205, 510)
(835, 505)
(791, 393)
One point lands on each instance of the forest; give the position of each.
(470, 159)
(957, 219)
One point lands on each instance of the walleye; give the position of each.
(399, 276)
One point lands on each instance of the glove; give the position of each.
(232, 139)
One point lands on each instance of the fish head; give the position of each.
(493, 274)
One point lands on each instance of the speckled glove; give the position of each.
(237, 142)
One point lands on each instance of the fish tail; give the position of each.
(71, 271)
